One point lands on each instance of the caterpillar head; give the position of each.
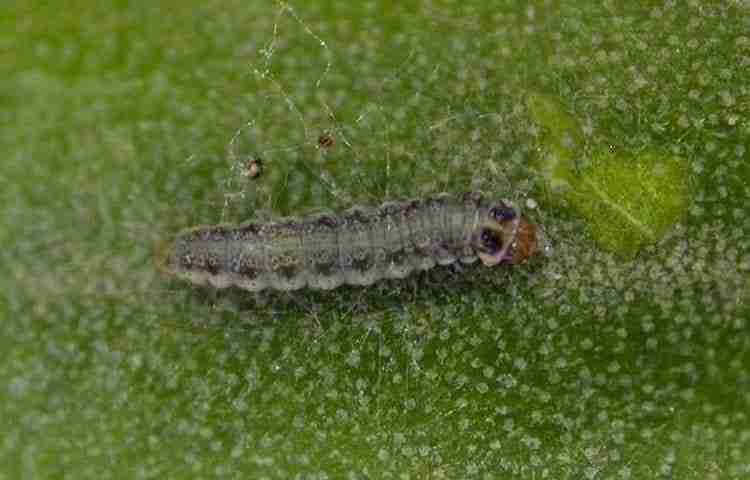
(504, 235)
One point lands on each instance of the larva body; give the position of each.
(357, 247)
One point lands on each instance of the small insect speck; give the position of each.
(325, 140)
(252, 168)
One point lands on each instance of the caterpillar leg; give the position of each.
(457, 268)
(298, 298)
(206, 296)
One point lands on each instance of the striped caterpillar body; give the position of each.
(357, 247)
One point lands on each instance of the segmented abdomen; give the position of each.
(357, 247)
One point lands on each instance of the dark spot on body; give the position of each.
(363, 264)
(212, 265)
(250, 228)
(473, 199)
(324, 269)
(246, 266)
(489, 241)
(357, 215)
(327, 221)
(503, 213)
(398, 257)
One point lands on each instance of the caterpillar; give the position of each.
(356, 247)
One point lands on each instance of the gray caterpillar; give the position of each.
(357, 247)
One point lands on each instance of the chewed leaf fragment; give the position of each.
(562, 141)
(629, 199)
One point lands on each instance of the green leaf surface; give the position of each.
(632, 200)
(125, 122)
